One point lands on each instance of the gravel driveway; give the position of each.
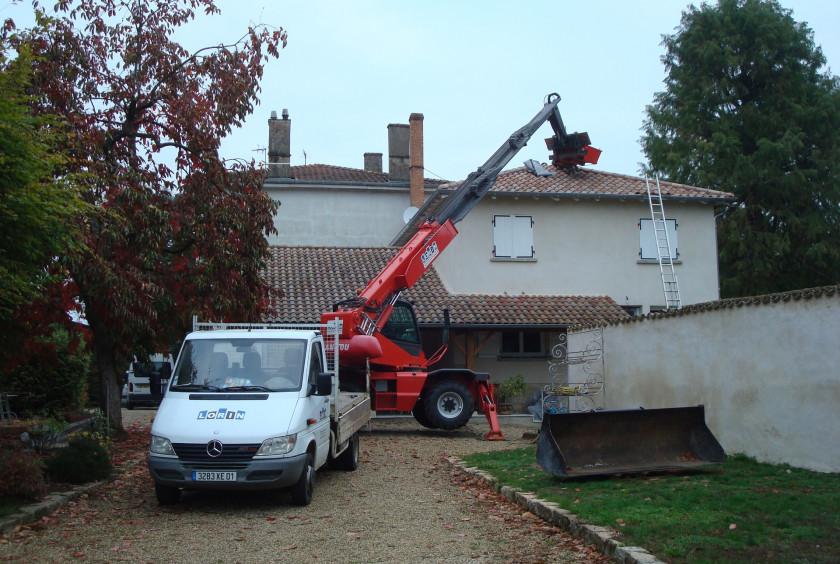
(405, 503)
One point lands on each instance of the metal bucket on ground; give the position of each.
(595, 443)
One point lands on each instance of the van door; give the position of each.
(318, 406)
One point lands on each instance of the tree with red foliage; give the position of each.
(170, 229)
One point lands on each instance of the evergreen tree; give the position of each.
(749, 109)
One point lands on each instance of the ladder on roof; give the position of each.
(670, 286)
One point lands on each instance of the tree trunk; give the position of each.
(110, 383)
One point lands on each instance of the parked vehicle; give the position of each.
(145, 381)
(254, 407)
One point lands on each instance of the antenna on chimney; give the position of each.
(262, 150)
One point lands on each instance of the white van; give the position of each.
(254, 409)
(145, 382)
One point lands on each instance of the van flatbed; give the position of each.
(353, 413)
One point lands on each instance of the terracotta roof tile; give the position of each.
(330, 173)
(585, 181)
(313, 278)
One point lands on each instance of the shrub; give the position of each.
(21, 474)
(51, 383)
(84, 460)
(510, 388)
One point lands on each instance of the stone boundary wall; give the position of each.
(766, 368)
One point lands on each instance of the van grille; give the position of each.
(231, 453)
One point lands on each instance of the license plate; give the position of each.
(201, 476)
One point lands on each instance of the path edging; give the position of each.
(601, 537)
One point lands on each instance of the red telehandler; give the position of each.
(379, 333)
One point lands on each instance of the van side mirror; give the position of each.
(323, 386)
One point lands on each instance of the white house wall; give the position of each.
(327, 217)
(583, 247)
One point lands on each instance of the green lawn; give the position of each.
(741, 511)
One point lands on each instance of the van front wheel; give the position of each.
(302, 490)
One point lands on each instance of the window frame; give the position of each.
(513, 234)
(647, 239)
(521, 351)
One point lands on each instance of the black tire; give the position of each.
(302, 490)
(449, 405)
(349, 459)
(419, 413)
(129, 405)
(167, 495)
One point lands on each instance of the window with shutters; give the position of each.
(647, 239)
(513, 236)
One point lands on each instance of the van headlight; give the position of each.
(277, 446)
(161, 445)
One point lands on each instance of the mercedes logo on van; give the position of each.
(214, 448)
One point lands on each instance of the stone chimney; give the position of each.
(416, 194)
(373, 162)
(398, 152)
(279, 146)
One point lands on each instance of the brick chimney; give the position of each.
(373, 162)
(415, 191)
(279, 146)
(398, 152)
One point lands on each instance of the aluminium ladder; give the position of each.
(663, 247)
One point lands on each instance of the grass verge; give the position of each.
(740, 511)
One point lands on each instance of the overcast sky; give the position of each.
(477, 70)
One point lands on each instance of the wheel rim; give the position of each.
(450, 405)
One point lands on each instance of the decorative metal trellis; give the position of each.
(580, 387)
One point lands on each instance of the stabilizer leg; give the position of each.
(488, 407)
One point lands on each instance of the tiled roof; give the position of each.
(585, 181)
(474, 309)
(574, 182)
(313, 278)
(336, 173)
(330, 173)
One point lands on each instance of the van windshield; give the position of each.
(240, 365)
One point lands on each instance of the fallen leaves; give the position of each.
(524, 536)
